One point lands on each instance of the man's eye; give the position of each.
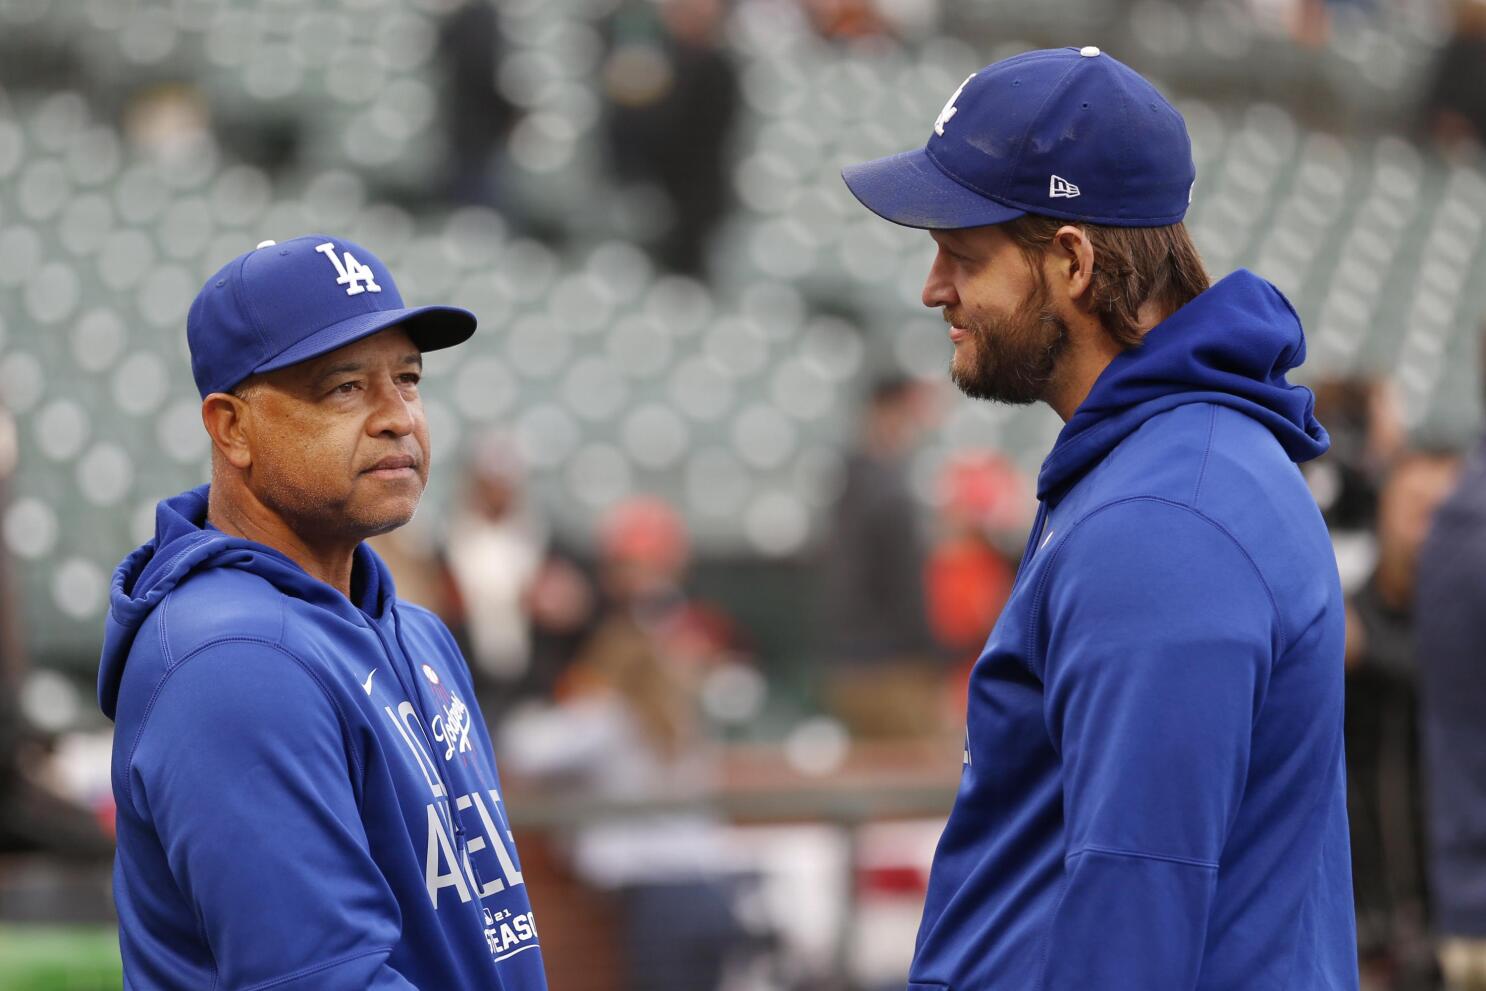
(346, 388)
(411, 378)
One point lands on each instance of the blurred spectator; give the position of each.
(415, 559)
(882, 678)
(671, 94)
(519, 606)
(845, 20)
(168, 123)
(10, 638)
(11, 667)
(1305, 22)
(496, 546)
(968, 575)
(644, 553)
(1451, 616)
(1361, 415)
(628, 727)
(33, 816)
(477, 116)
(1455, 114)
(173, 122)
(1385, 800)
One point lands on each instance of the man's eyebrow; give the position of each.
(349, 367)
(341, 368)
(951, 238)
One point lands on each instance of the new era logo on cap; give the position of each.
(1058, 186)
(1009, 137)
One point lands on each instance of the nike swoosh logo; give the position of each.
(1044, 543)
(366, 685)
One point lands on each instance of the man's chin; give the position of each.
(977, 385)
(387, 515)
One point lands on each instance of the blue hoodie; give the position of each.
(1153, 795)
(306, 792)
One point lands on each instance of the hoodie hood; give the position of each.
(184, 544)
(1232, 346)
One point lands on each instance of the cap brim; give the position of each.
(909, 189)
(430, 327)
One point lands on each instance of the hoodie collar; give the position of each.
(185, 543)
(1231, 346)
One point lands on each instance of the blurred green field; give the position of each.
(45, 958)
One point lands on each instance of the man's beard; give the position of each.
(1009, 359)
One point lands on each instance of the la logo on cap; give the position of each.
(356, 277)
(949, 107)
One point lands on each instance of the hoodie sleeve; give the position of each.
(249, 778)
(1159, 635)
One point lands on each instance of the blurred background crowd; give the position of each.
(717, 538)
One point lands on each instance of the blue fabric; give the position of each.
(1450, 625)
(281, 304)
(1055, 132)
(1153, 795)
(306, 792)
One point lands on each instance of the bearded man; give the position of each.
(1153, 793)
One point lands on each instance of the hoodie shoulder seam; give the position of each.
(160, 628)
(1207, 450)
(1039, 599)
(167, 654)
(144, 720)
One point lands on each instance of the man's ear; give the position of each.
(1073, 260)
(227, 419)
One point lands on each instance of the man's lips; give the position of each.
(956, 332)
(393, 465)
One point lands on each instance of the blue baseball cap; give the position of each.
(1065, 132)
(283, 303)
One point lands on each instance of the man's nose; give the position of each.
(394, 412)
(939, 288)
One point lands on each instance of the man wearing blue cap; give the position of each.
(306, 792)
(1153, 795)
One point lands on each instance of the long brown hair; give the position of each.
(1132, 266)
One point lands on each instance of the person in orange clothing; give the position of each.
(967, 576)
